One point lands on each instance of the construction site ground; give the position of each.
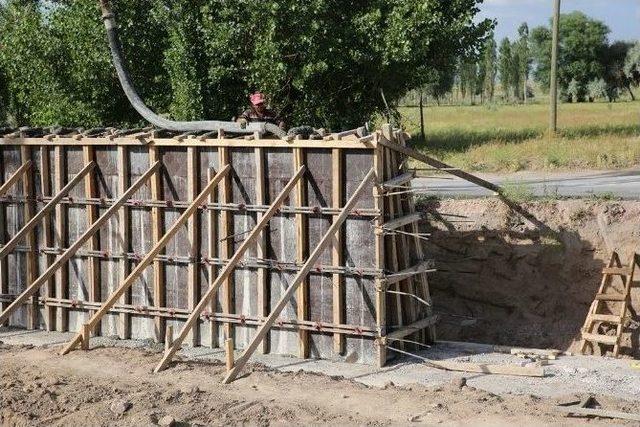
(112, 384)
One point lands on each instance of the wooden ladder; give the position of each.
(607, 293)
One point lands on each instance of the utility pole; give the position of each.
(553, 93)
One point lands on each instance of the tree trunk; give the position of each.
(633, 97)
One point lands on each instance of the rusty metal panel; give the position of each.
(359, 253)
(17, 261)
(243, 192)
(142, 327)
(319, 194)
(107, 188)
(281, 246)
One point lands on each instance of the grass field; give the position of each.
(509, 138)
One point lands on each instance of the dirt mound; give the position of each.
(526, 278)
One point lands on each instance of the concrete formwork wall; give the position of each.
(71, 286)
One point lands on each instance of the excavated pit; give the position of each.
(505, 279)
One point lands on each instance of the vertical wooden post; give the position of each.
(381, 303)
(193, 227)
(261, 249)
(4, 273)
(28, 190)
(157, 227)
(228, 348)
(124, 234)
(45, 185)
(337, 251)
(226, 231)
(86, 336)
(553, 92)
(168, 339)
(393, 257)
(90, 191)
(62, 275)
(302, 241)
(212, 222)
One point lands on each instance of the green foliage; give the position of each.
(322, 62)
(597, 89)
(632, 64)
(506, 66)
(583, 42)
(488, 68)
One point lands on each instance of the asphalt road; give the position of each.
(622, 184)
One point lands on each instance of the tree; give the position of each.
(615, 77)
(632, 67)
(524, 58)
(322, 62)
(488, 68)
(505, 67)
(598, 89)
(582, 43)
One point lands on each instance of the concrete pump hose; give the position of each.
(161, 122)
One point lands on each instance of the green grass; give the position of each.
(508, 138)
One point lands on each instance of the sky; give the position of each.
(621, 16)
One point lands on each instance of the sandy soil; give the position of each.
(528, 278)
(114, 386)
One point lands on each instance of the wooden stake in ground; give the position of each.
(228, 269)
(147, 260)
(302, 274)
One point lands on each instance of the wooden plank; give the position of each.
(402, 221)
(261, 249)
(70, 252)
(193, 227)
(37, 218)
(381, 301)
(393, 183)
(4, 266)
(28, 190)
(618, 271)
(23, 169)
(611, 297)
(226, 231)
(481, 368)
(302, 241)
(212, 222)
(337, 248)
(228, 346)
(124, 242)
(304, 271)
(229, 268)
(90, 191)
(48, 238)
(159, 289)
(422, 279)
(603, 339)
(362, 144)
(150, 256)
(61, 238)
(597, 413)
(412, 328)
(419, 268)
(608, 318)
(440, 165)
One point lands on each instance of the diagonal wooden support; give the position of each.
(83, 335)
(15, 177)
(228, 269)
(441, 166)
(62, 259)
(302, 274)
(6, 249)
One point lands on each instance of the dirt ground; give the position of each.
(528, 277)
(114, 386)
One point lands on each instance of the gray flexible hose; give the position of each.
(153, 118)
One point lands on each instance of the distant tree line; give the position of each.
(589, 66)
(322, 62)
